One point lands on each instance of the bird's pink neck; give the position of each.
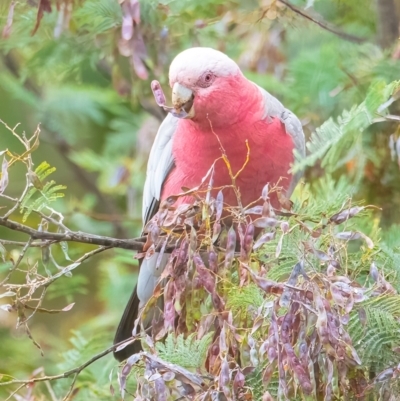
(233, 117)
(233, 99)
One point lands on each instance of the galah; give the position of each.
(215, 109)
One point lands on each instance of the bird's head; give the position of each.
(204, 82)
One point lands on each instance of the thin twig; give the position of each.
(71, 387)
(16, 264)
(68, 372)
(74, 265)
(51, 392)
(12, 130)
(16, 391)
(53, 221)
(8, 198)
(18, 202)
(48, 280)
(40, 301)
(324, 25)
(135, 244)
(35, 244)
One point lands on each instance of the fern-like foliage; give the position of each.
(330, 141)
(99, 16)
(39, 196)
(376, 340)
(189, 353)
(323, 196)
(93, 383)
(241, 298)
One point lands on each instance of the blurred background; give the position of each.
(82, 70)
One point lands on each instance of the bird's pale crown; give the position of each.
(189, 65)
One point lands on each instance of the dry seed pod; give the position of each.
(217, 301)
(213, 261)
(265, 192)
(160, 389)
(247, 243)
(269, 286)
(206, 277)
(219, 205)
(300, 373)
(264, 222)
(267, 237)
(238, 381)
(254, 210)
(344, 215)
(230, 248)
(224, 376)
(267, 397)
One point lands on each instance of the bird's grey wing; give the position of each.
(274, 108)
(160, 163)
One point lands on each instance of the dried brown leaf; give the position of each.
(4, 175)
(44, 6)
(7, 28)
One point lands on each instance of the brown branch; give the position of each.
(135, 244)
(323, 25)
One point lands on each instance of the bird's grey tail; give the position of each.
(125, 327)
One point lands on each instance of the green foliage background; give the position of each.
(98, 120)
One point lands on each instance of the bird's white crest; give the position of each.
(192, 63)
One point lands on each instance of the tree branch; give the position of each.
(135, 244)
(323, 25)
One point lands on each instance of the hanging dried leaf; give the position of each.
(63, 19)
(127, 27)
(68, 307)
(269, 286)
(265, 192)
(267, 397)
(4, 175)
(247, 243)
(230, 248)
(349, 235)
(254, 210)
(7, 28)
(219, 205)
(279, 246)
(44, 6)
(139, 53)
(267, 237)
(344, 215)
(206, 277)
(238, 381)
(264, 222)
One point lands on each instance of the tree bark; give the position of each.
(388, 22)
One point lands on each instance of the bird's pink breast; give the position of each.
(195, 149)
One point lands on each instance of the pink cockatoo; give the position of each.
(214, 106)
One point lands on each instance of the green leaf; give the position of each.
(188, 353)
(37, 199)
(333, 138)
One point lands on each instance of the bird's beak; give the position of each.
(182, 98)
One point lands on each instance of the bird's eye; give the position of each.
(206, 79)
